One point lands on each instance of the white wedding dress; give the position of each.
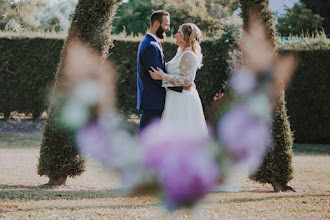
(183, 108)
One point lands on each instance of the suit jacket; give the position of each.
(150, 93)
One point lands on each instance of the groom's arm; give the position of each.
(150, 59)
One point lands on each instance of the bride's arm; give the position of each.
(188, 68)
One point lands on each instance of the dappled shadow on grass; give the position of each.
(36, 193)
(140, 203)
(277, 197)
(84, 207)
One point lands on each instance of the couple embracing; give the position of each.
(167, 91)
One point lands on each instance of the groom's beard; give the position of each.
(160, 32)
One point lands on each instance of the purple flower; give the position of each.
(245, 135)
(107, 142)
(243, 82)
(181, 161)
(94, 140)
(188, 176)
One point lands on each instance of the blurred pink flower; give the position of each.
(180, 159)
(94, 140)
(115, 148)
(243, 82)
(246, 136)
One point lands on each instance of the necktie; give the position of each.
(160, 45)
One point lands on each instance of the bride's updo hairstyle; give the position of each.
(192, 39)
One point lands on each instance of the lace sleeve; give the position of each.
(188, 68)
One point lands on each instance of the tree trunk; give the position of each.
(6, 115)
(57, 181)
(35, 116)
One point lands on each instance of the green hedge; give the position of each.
(208, 81)
(308, 98)
(28, 68)
(27, 71)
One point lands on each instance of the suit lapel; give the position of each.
(156, 43)
(160, 51)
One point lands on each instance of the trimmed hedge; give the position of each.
(28, 65)
(308, 98)
(208, 81)
(27, 72)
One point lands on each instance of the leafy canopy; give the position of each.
(298, 19)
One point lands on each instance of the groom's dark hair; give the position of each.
(158, 16)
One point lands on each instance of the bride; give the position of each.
(183, 108)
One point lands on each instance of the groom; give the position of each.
(150, 93)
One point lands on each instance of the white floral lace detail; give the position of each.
(181, 70)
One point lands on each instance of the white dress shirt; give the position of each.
(157, 39)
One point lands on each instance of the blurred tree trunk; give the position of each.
(277, 167)
(59, 157)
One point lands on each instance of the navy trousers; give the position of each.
(148, 116)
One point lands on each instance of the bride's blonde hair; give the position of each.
(191, 38)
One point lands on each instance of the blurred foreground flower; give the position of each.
(179, 157)
(94, 139)
(259, 56)
(245, 135)
(76, 111)
(114, 147)
(245, 129)
(88, 78)
(181, 162)
(244, 83)
(88, 85)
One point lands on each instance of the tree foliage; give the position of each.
(212, 17)
(190, 11)
(221, 8)
(57, 16)
(298, 19)
(133, 17)
(18, 14)
(321, 7)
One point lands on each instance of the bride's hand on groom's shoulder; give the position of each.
(156, 74)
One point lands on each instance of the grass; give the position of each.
(96, 194)
(20, 141)
(316, 40)
(311, 149)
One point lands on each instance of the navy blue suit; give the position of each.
(150, 93)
